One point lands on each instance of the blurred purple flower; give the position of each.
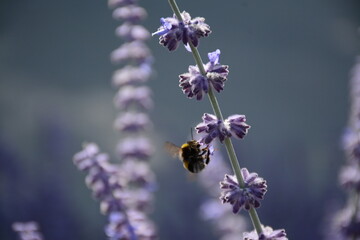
(132, 122)
(120, 3)
(119, 229)
(350, 177)
(128, 96)
(351, 145)
(84, 159)
(138, 148)
(27, 230)
(130, 13)
(193, 83)
(136, 198)
(247, 197)
(138, 174)
(131, 75)
(132, 51)
(215, 128)
(267, 234)
(172, 31)
(102, 176)
(131, 32)
(346, 223)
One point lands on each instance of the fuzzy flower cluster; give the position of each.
(188, 30)
(346, 223)
(212, 127)
(194, 84)
(27, 230)
(243, 197)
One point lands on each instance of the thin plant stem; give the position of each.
(216, 108)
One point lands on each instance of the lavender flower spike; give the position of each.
(172, 31)
(193, 83)
(213, 127)
(247, 197)
(267, 234)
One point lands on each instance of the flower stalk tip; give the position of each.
(181, 28)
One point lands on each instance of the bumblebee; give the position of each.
(194, 157)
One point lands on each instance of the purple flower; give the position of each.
(139, 199)
(346, 223)
(130, 13)
(118, 226)
(172, 31)
(247, 197)
(132, 122)
(131, 32)
(236, 124)
(213, 127)
(135, 223)
(27, 230)
(351, 145)
(102, 176)
(84, 159)
(193, 83)
(135, 148)
(267, 234)
(120, 3)
(131, 75)
(128, 96)
(136, 51)
(350, 177)
(138, 174)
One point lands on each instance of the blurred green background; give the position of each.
(289, 71)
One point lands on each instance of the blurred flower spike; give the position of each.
(243, 197)
(234, 125)
(267, 234)
(193, 83)
(173, 30)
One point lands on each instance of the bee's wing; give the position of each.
(172, 149)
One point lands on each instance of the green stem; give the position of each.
(175, 9)
(255, 220)
(216, 108)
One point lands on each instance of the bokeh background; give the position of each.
(289, 71)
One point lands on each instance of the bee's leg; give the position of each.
(207, 157)
(203, 152)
